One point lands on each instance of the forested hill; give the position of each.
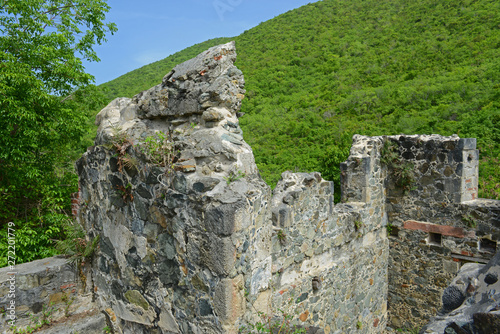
(318, 74)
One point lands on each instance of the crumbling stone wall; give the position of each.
(182, 240)
(329, 262)
(437, 223)
(192, 240)
(51, 286)
(197, 243)
(191, 244)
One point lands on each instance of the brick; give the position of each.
(452, 231)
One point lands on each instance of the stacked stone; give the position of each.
(180, 241)
(329, 262)
(437, 224)
(51, 286)
(444, 173)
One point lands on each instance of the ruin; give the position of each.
(192, 240)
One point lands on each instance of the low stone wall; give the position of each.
(437, 223)
(329, 262)
(49, 286)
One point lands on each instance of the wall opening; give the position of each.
(394, 231)
(434, 239)
(487, 245)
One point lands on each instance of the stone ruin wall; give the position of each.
(437, 225)
(330, 263)
(198, 247)
(202, 244)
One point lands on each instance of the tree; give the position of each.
(45, 97)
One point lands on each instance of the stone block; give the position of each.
(467, 143)
(229, 302)
(451, 267)
(223, 219)
(457, 232)
(133, 313)
(167, 321)
(219, 254)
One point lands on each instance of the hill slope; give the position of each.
(318, 74)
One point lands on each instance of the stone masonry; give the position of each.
(198, 244)
(437, 223)
(192, 240)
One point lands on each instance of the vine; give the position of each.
(402, 170)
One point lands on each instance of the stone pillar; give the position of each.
(469, 169)
(173, 192)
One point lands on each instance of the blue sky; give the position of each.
(150, 30)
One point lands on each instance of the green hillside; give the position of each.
(323, 72)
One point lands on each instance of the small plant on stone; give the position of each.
(125, 192)
(402, 171)
(159, 150)
(389, 228)
(281, 237)
(234, 176)
(37, 322)
(67, 301)
(120, 142)
(358, 225)
(469, 220)
(359, 325)
(47, 312)
(389, 153)
(277, 324)
(129, 162)
(107, 330)
(75, 246)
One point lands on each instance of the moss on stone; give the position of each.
(135, 297)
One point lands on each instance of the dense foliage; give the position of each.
(321, 73)
(45, 103)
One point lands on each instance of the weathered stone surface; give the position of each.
(437, 221)
(34, 286)
(90, 322)
(479, 311)
(181, 225)
(453, 297)
(195, 243)
(324, 266)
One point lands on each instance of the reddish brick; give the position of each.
(303, 316)
(63, 287)
(375, 322)
(452, 231)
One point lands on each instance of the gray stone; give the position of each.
(166, 246)
(87, 323)
(221, 219)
